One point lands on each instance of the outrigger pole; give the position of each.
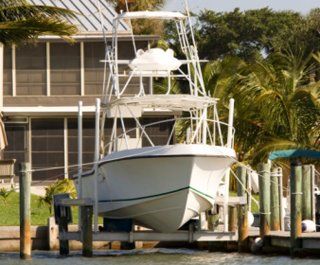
(96, 160)
(227, 176)
(80, 141)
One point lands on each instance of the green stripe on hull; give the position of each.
(158, 195)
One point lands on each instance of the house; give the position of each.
(44, 82)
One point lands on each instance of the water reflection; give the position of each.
(151, 257)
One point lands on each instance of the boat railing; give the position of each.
(187, 130)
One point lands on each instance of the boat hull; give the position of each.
(159, 187)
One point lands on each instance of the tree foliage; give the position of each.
(5, 193)
(60, 186)
(21, 21)
(253, 34)
(137, 5)
(277, 101)
(247, 34)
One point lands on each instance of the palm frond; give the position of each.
(277, 103)
(21, 21)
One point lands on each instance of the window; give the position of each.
(94, 52)
(31, 69)
(7, 71)
(47, 147)
(65, 69)
(17, 144)
(87, 144)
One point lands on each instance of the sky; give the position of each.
(302, 6)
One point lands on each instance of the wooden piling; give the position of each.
(313, 197)
(86, 230)
(63, 229)
(282, 212)
(25, 214)
(243, 228)
(275, 200)
(264, 187)
(307, 213)
(232, 225)
(295, 206)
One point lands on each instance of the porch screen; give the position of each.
(7, 71)
(65, 69)
(47, 148)
(17, 144)
(31, 69)
(88, 144)
(93, 54)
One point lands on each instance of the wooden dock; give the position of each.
(282, 239)
(146, 236)
(243, 239)
(246, 239)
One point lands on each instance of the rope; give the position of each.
(244, 187)
(60, 167)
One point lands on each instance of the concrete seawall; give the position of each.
(43, 238)
(10, 238)
(46, 238)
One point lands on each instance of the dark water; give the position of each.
(152, 257)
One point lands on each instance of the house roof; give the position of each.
(88, 15)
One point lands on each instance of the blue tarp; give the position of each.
(294, 153)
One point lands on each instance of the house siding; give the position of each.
(48, 139)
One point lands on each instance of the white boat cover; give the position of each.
(155, 60)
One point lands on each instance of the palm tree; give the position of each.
(21, 21)
(284, 102)
(277, 103)
(221, 78)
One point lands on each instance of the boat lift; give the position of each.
(198, 134)
(87, 236)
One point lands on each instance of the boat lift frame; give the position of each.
(87, 236)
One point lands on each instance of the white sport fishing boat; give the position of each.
(159, 186)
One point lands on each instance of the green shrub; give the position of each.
(5, 193)
(60, 186)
